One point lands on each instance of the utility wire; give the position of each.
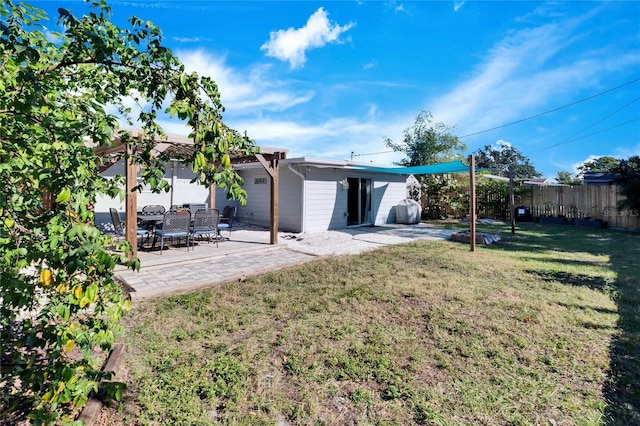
(553, 110)
(590, 134)
(573, 137)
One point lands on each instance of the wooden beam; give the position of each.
(131, 204)
(272, 168)
(275, 211)
(472, 202)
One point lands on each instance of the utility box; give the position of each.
(523, 214)
(408, 211)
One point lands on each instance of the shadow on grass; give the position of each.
(576, 280)
(622, 386)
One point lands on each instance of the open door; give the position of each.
(359, 202)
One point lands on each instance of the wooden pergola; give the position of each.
(269, 158)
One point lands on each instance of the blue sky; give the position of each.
(325, 79)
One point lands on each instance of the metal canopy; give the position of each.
(431, 169)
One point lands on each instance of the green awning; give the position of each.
(431, 169)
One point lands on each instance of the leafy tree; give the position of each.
(567, 178)
(499, 159)
(59, 300)
(427, 142)
(629, 179)
(600, 164)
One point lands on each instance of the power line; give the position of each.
(590, 134)
(553, 110)
(353, 154)
(573, 137)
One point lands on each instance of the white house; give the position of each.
(314, 194)
(317, 194)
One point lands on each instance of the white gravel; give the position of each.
(345, 241)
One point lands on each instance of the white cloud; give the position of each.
(370, 65)
(191, 39)
(291, 44)
(244, 91)
(457, 5)
(514, 81)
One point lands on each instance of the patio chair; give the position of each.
(205, 225)
(119, 229)
(153, 209)
(174, 225)
(226, 221)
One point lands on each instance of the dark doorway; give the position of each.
(359, 202)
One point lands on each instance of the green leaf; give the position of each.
(64, 195)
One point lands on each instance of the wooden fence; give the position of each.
(598, 202)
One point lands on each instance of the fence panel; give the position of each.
(596, 202)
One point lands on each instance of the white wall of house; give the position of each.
(183, 192)
(313, 198)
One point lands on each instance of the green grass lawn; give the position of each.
(540, 329)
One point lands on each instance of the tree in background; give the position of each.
(567, 178)
(599, 165)
(499, 159)
(59, 300)
(629, 180)
(426, 143)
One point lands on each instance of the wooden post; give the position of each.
(275, 211)
(472, 202)
(273, 171)
(512, 201)
(131, 203)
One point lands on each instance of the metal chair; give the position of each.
(153, 209)
(205, 225)
(174, 225)
(119, 229)
(226, 221)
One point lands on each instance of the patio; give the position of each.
(249, 252)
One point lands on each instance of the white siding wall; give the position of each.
(325, 200)
(321, 205)
(387, 194)
(182, 192)
(257, 183)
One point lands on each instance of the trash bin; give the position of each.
(523, 214)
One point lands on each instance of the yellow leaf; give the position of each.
(61, 387)
(84, 302)
(69, 345)
(46, 277)
(46, 397)
(61, 288)
(77, 291)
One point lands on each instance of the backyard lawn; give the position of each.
(543, 328)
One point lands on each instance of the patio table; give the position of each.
(149, 218)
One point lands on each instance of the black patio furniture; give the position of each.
(226, 221)
(119, 228)
(174, 225)
(153, 209)
(205, 225)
